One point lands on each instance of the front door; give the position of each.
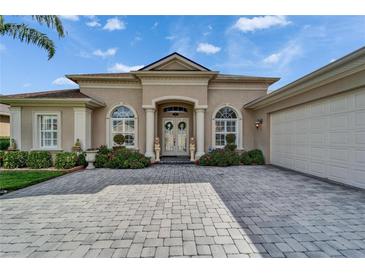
(175, 134)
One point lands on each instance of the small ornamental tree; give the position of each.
(230, 139)
(119, 139)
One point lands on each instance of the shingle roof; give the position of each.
(64, 93)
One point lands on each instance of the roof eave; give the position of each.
(86, 102)
(298, 86)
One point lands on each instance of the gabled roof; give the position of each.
(174, 61)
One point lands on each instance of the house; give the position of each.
(4, 121)
(314, 125)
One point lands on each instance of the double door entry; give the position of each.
(175, 136)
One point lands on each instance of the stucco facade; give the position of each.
(175, 99)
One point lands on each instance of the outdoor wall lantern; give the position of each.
(258, 123)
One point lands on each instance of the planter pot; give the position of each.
(90, 158)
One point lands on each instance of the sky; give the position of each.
(276, 46)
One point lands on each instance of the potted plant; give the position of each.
(90, 158)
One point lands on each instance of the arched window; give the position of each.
(226, 122)
(123, 121)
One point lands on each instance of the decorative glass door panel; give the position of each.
(175, 133)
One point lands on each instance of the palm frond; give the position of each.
(51, 21)
(29, 35)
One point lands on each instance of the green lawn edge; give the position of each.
(15, 180)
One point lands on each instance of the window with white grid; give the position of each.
(226, 122)
(48, 131)
(123, 122)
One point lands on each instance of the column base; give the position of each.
(199, 154)
(150, 155)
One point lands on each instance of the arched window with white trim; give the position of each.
(123, 121)
(226, 121)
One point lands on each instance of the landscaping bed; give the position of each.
(16, 179)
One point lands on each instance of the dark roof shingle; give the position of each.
(64, 93)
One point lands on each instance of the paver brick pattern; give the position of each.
(183, 211)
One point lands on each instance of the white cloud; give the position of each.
(261, 22)
(114, 24)
(171, 37)
(63, 81)
(26, 85)
(272, 59)
(119, 67)
(155, 25)
(284, 56)
(106, 53)
(94, 21)
(70, 17)
(207, 48)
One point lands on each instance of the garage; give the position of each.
(325, 138)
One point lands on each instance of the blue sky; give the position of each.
(281, 46)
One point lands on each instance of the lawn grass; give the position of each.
(13, 180)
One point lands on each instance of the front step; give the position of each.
(175, 160)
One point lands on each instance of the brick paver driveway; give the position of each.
(173, 211)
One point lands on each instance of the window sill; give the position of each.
(46, 149)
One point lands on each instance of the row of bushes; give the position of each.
(40, 159)
(228, 157)
(4, 143)
(120, 158)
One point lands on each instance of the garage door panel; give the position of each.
(325, 138)
(360, 100)
(360, 119)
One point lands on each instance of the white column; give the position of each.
(16, 126)
(150, 134)
(199, 132)
(82, 127)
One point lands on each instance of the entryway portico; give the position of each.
(175, 119)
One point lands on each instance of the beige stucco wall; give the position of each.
(67, 125)
(4, 125)
(236, 98)
(213, 96)
(262, 135)
(197, 92)
(112, 97)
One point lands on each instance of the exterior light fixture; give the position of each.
(258, 123)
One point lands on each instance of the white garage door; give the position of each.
(325, 138)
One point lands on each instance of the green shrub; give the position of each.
(39, 159)
(253, 157)
(15, 159)
(220, 157)
(81, 159)
(2, 153)
(4, 143)
(230, 138)
(66, 160)
(231, 147)
(120, 158)
(102, 157)
(119, 139)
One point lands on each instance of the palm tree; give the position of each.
(29, 35)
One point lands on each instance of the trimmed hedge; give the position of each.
(4, 143)
(66, 160)
(15, 159)
(253, 157)
(2, 153)
(220, 157)
(39, 159)
(120, 158)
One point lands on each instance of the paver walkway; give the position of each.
(175, 211)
